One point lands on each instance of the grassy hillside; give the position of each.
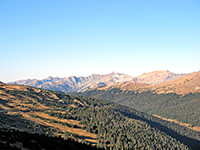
(88, 120)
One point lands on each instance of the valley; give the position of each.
(87, 120)
(160, 103)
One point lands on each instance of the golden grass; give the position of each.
(77, 101)
(4, 107)
(196, 128)
(16, 87)
(53, 96)
(69, 121)
(72, 105)
(90, 137)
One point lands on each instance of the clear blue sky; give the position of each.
(42, 38)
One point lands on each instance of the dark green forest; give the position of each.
(185, 108)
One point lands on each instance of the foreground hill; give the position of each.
(87, 120)
(178, 99)
(11, 139)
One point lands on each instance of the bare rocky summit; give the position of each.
(157, 77)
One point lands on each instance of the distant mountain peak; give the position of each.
(157, 71)
(49, 78)
(114, 72)
(157, 77)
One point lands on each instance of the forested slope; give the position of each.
(185, 108)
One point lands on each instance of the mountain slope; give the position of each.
(88, 120)
(178, 99)
(189, 83)
(185, 85)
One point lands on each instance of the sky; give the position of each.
(61, 38)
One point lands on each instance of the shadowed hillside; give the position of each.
(15, 140)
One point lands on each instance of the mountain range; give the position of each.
(81, 84)
(75, 84)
